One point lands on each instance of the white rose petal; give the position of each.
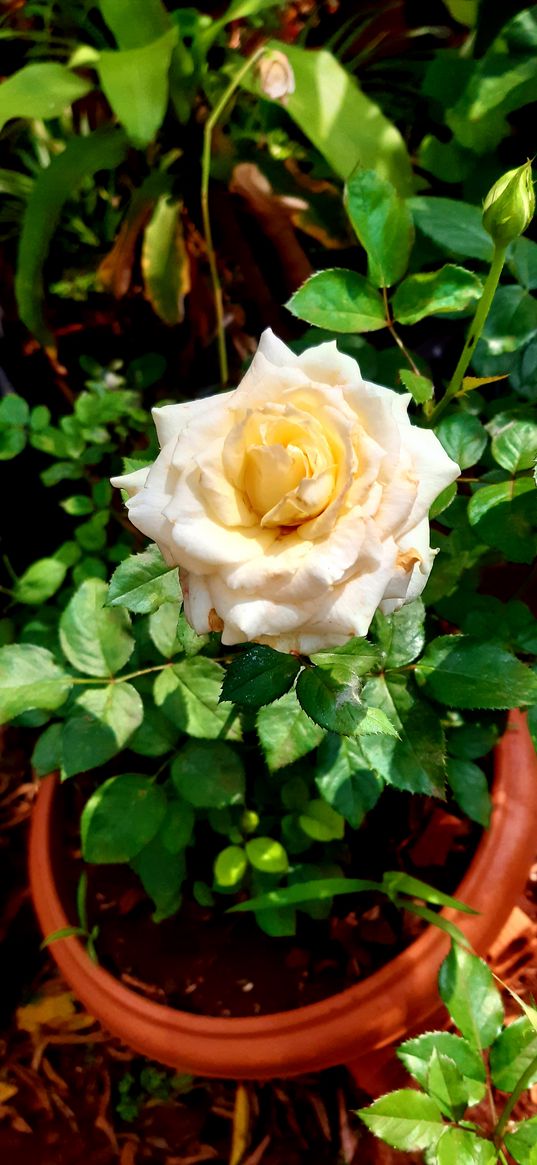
(295, 505)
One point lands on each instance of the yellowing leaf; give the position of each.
(165, 263)
(48, 1011)
(471, 382)
(241, 1121)
(7, 1091)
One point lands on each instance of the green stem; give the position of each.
(520, 1087)
(133, 675)
(474, 333)
(210, 124)
(394, 334)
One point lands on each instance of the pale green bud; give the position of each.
(510, 205)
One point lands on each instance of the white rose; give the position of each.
(295, 505)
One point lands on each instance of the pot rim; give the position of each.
(401, 987)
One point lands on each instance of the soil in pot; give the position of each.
(205, 961)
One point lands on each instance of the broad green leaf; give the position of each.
(95, 638)
(512, 1053)
(345, 125)
(259, 675)
(14, 410)
(466, 985)
(77, 505)
(163, 624)
(40, 581)
(505, 516)
(47, 754)
(285, 732)
(405, 1120)
(321, 822)
(156, 734)
(165, 261)
(135, 22)
(522, 1142)
(464, 11)
(416, 1056)
(400, 636)
(383, 224)
(12, 442)
(267, 855)
(30, 678)
(143, 581)
(430, 293)
(463, 437)
(101, 723)
(279, 922)
(498, 84)
(303, 892)
(339, 300)
(522, 261)
(121, 817)
(463, 1147)
(230, 866)
(470, 790)
(473, 740)
(355, 658)
(511, 322)
(514, 446)
(446, 1086)
(465, 673)
(135, 82)
(209, 775)
(188, 693)
(421, 387)
(82, 157)
(344, 779)
(414, 761)
(178, 826)
(456, 227)
(333, 705)
(42, 89)
(161, 877)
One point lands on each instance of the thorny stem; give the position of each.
(519, 1088)
(210, 124)
(396, 337)
(474, 333)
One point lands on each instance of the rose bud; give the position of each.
(510, 204)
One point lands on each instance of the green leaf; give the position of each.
(400, 636)
(259, 675)
(416, 1055)
(512, 1053)
(333, 705)
(188, 693)
(302, 892)
(95, 639)
(456, 227)
(344, 780)
(30, 678)
(121, 817)
(155, 736)
(77, 505)
(42, 89)
(135, 82)
(12, 442)
(446, 1086)
(514, 445)
(165, 261)
(431, 293)
(285, 732)
(421, 387)
(161, 875)
(230, 867)
(505, 516)
(405, 1120)
(466, 985)
(40, 581)
(463, 437)
(47, 754)
(522, 261)
(383, 224)
(209, 775)
(82, 157)
(143, 581)
(345, 125)
(463, 1147)
(470, 741)
(14, 410)
(321, 822)
(511, 322)
(163, 626)
(397, 882)
(178, 826)
(355, 658)
(339, 300)
(135, 22)
(470, 790)
(415, 760)
(101, 723)
(498, 84)
(464, 673)
(521, 1143)
(267, 855)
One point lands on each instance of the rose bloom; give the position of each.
(295, 505)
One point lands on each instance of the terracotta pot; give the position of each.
(355, 1027)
